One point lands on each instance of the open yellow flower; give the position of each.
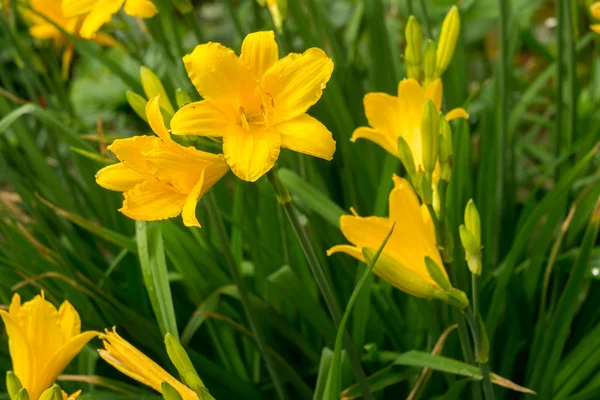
(160, 178)
(126, 358)
(256, 102)
(40, 28)
(595, 11)
(42, 341)
(391, 117)
(402, 262)
(99, 12)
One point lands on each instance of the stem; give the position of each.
(475, 293)
(559, 76)
(318, 272)
(409, 5)
(484, 367)
(572, 76)
(426, 18)
(213, 210)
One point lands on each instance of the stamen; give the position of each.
(245, 123)
(263, 106)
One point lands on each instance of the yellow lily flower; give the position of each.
(40, 28)
(99, 12)
(402, 262)
(256, 102)
(391, 117)
(126, 358)
(595, 11)
(42, 341)
(160, 178)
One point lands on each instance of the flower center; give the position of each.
(258, 119)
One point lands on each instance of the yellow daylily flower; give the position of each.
(99, 12)
(391, 117)
(42, 341)
(159, 177)
(402, 262)
(256, 102)
(595, 11)
(126, 358)
(40, 28)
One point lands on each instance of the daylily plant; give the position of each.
(256, 102)
(42, 341)
(159, 177)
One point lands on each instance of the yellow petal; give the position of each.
(189, 208)
(100, 14)
(411, 99)
(457, 113)
(153, 200)
(307, 135)
(350, 250)
(156, 121)
(382, 112)
(260, 52)
(129, 360)
(428, 222)
(434, 92)
(44, 31)
(174, 165)
(296, 82)
(72, 8)
(119, 177)
(70, 322)
(20, 351)
(15, 306)
(140, 8)
(129, 151)
(62, 357)
(250, 154)
(595, 10)
(220, 76)
(105, 40)
(389, 143)
(365, 232)
(199, 118)
(595, 28)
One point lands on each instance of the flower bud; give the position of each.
(448, 39)
(153, 87)
(275, 9)
(413, 54)
(429, 61)
(182, 97)
(445, 150)
(183, 364)
(137, 103)
(169, 392)
(13, 384)
(473, 222)
(406, 156)
(467, 240)
(595, 10)
(21, 395)
(470, 236)
(54, 393)
(430, 135)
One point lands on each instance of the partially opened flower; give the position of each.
(99, 12)
(595, 11)
(402, 262)
(391, 117)
(159, 177)
(42, 341)
(256, 102)
(129, 360)
(41, 28)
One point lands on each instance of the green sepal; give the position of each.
(436, 274)
(137, 103)
(169, 392)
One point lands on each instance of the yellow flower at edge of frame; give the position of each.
(159, 177)
(99, 12)
(256, 102)
(42, 340)
(595, 11)
(391, 117)
(130, 361)
(402, 262)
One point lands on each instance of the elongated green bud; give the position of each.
(54, 393)
(182, 97)
(169, 392)
(430, 135)
(470, 236)
(406, 156)
(413, 54)
(448, 39)
(182, 362)
(445, 141)
(429, 61)
(153, 87)
(137, 103)
(13, 385)
(473, 222)
(436, 273)
(22, 395)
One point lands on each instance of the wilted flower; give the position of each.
(256, 102)
(42, 341)
(129, 360)
(403, 261)
(98, 12)
(160, 178)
